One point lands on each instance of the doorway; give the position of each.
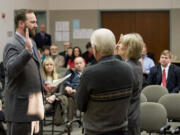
(153, 26)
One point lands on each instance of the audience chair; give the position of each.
(52, 121)
(69, 125)
(143, 98)
(153, 118)
(154, 92)
(175, 130)
(172, 104)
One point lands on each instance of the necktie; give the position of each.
(42, 35)
(164, 78)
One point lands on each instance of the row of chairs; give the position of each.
(157, 108)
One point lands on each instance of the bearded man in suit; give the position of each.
(23, 81)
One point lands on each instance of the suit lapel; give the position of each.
(22, 42)
(159, 74)
(169, 74)
(35, 53)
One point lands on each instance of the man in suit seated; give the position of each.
(71, 84)
(165, 73)
(42, 38)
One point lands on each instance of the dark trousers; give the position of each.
(115, 133)
(20, 128)
(2, 130)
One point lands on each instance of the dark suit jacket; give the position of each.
(40, 42)
(173, 80)
(22, 79)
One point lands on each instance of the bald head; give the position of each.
(79, 64)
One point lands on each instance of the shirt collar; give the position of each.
(22, 37)
(166, 68)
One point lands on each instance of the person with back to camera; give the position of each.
(23, 80)
(105, 89)
(130, 48)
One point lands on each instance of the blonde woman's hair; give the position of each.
(104, 40)
(54, 73)
(134, 44)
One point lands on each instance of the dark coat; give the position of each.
(22, 79)
(134, 108)
(103, 95)
(40, 42)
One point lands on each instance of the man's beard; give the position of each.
(31, 31)
(54, 54)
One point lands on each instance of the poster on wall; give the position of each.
(82, 33)
(62, 31)
(62, 36)
(76, 24)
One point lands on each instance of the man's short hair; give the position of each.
(21, 16)
(104, 40)
(88, 45)
(166, 53)
(134, 44)
(46, 47)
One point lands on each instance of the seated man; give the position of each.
(88, 55)
(147, 63)
(71, 84)
(58, 59)
(165, 73)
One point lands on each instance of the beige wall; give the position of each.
(72, 4)
(113, 4)
(175, 27)
(6, 24)
(31, 4)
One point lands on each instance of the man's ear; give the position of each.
(94, 50)
(21, 24)
(95, 53)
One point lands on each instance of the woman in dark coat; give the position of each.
(129, 48)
